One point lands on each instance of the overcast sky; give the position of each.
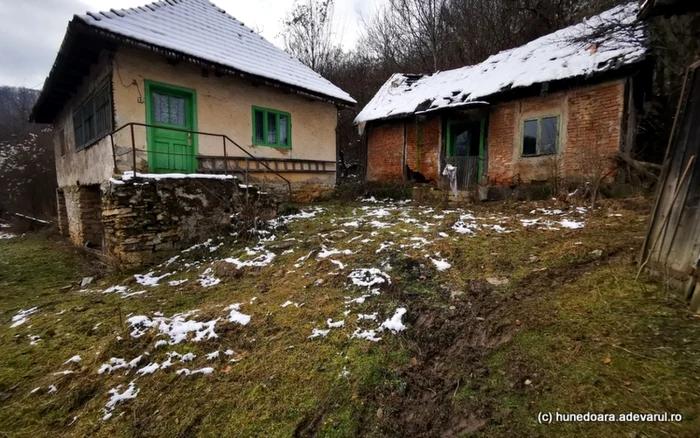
(31, 31)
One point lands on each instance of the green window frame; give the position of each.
(271, 128)
(540, 135)
(93, 119)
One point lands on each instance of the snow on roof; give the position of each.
(200, 29)
(564, 54)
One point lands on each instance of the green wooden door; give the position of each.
(172, 111)
(465, 150)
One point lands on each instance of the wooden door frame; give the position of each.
(149, 86)
(482, 139)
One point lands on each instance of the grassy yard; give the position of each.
(486, 317)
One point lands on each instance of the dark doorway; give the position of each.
(465, 150)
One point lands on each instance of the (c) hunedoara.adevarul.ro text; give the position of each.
(594, 417)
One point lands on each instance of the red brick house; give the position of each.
(561, 105)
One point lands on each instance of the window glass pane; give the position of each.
(177, 111)
(550, 135)
(88, 121)
(78, 129)
(272, 128)
(160, 108)
(284, 141)
(530, 138)
(259, 129)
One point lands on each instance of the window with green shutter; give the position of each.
(272, 128)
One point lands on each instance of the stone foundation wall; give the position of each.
(142, 217)
(62, 213)
(81, 209)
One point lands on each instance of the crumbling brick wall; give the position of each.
(591, 124)
(594, 131)
(385, 152)
(386, 161)
(423, 146)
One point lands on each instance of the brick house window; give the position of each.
(540, 136)
(93, 119)
(272, 128)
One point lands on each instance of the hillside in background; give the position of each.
(27, 167)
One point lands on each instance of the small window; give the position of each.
(541, 136)
(61, 139)
(272, 128)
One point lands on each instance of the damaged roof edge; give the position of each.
(77, 26)
(603, 43)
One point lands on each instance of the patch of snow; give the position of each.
(573, 225)
(116, 363)
(394, 324)
(260, 261)
(318, 333)
(187, 357)
(325, 252)
(371, 317)
(336, 324)
(149, 279)
(148, 369)
(207, 278)
(129, 393)
(462, 227)
(23, 316)
(441, 265)
(177, 328)
(369, 335)
(128, 175)
(368, 277)
(236, 316)
(213, 355)
(74, 359)
(384, 246)
(179, 282)
(187, 372)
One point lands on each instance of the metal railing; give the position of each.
(224, 140)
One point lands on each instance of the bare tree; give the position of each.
(411, 32)
(308, 34)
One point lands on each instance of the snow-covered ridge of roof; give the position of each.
(564, 54)
(202, 30)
